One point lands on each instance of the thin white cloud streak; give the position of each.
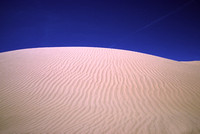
(165, 16)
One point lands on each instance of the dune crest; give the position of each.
(97, 90)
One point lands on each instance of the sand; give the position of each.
(83, 90)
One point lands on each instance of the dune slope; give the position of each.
(97, 90)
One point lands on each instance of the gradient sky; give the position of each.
(165, 28)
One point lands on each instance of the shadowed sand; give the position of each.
(97, 90)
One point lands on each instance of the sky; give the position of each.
(165, 28)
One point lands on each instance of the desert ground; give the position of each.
(88, 90)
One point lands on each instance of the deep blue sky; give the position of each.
(166, 28)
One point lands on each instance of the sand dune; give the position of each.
(97, 90)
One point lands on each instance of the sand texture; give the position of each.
(82, 90)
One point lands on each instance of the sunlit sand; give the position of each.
(87, 90)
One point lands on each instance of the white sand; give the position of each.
(98, 91)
